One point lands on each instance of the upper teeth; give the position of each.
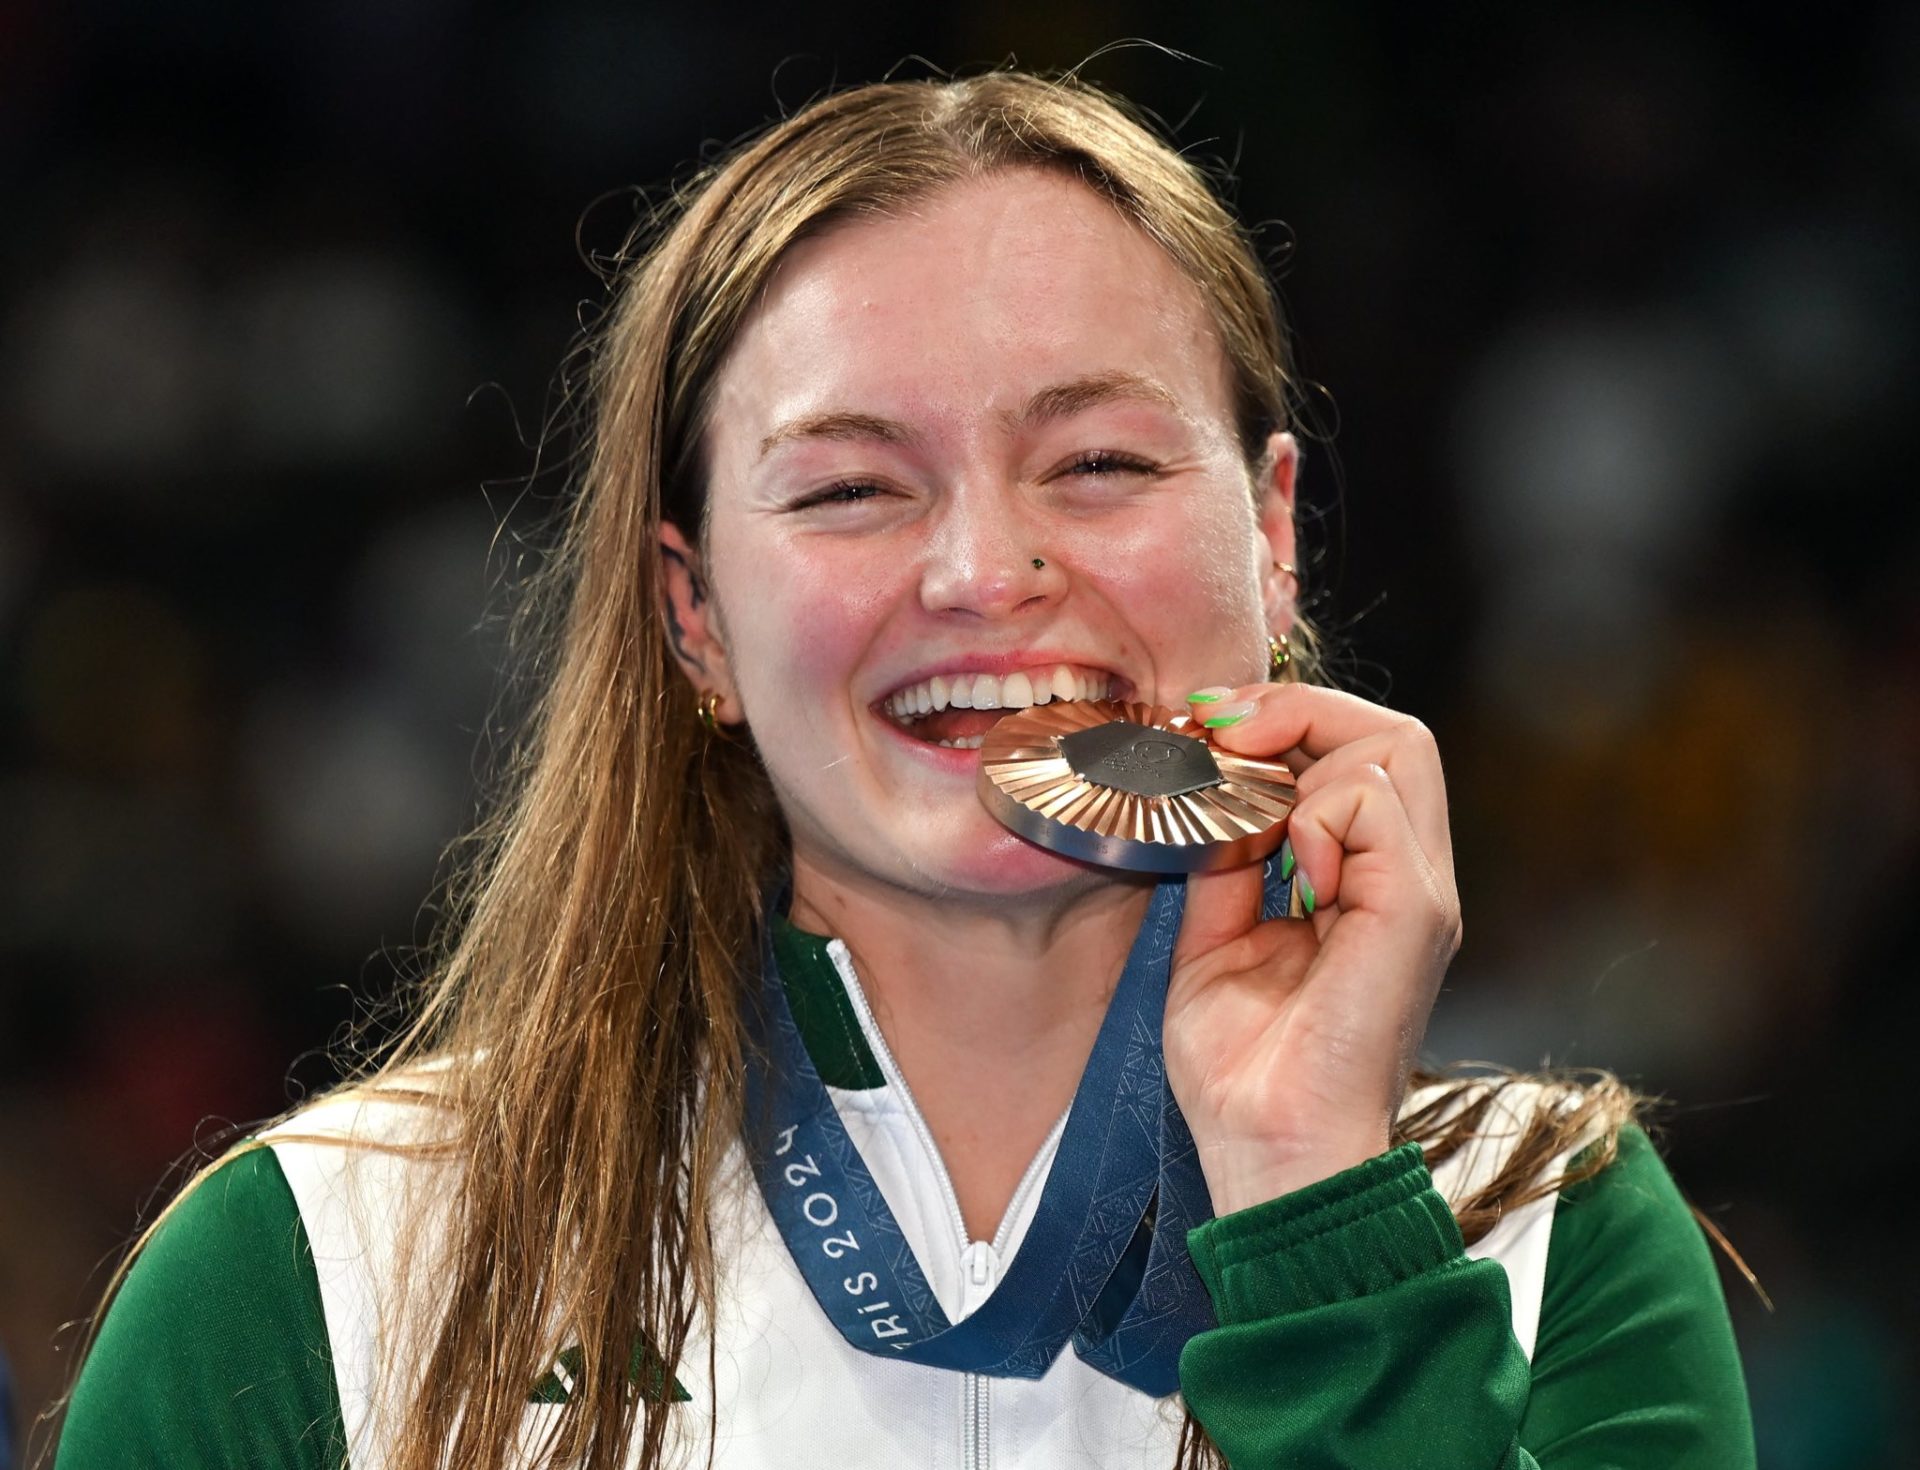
(996, 691)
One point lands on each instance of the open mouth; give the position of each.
(956, 710)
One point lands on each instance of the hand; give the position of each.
(1289, 1041)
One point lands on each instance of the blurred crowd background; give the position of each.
(1610, 481)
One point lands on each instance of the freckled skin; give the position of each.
(947, 319)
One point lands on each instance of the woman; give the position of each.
(747, 1077)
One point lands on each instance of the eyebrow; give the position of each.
(1061, 400)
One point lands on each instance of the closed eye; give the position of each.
(841, 492)
(1109, 462)
(1096, 464)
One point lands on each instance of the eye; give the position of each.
(841, 492)
(1100, 463)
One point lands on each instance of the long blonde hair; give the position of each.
(588, 986)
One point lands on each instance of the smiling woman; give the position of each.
(776, 1104)
(918, 408)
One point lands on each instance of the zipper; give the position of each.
(980, 1273)
(843, 963)
(983, 1260)
(979, 1259)
(1042, 1158)
(1037, 1166)
(976, 1447)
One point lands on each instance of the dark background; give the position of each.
(1614, 311)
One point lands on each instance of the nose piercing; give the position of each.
(1038, 564)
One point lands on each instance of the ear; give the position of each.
(692, 627)
(1279, 467)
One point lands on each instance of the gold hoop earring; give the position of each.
(1288, 568)
(710, 711)
(1279, 653)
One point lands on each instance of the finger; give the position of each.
(1409, 756)
(1355, 843)
(1221, 908)
(1308, 726)
(1293, 719)
(1398, 925)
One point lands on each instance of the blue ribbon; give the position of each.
(1104, 1262)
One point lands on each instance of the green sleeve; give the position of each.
(214, 1351)
(1355, 1332)
(1635, 1362)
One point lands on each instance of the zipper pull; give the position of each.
(980, 1268)
(980, 1262)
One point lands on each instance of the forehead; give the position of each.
(963, 306)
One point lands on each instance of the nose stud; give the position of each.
(1038, 564)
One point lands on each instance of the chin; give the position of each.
(956, 851)
(998, 862)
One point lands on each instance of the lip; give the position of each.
(942, 757)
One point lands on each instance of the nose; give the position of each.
(985, 557)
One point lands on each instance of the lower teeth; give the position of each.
(965, 742)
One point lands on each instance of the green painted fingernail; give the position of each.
(1212, 694)
(1306, 890)
(1229, 714)
(1286, 858)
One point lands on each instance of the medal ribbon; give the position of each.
(1104, 1262)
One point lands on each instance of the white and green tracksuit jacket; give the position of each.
(261, 1327)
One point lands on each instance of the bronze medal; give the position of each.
(1133, 786)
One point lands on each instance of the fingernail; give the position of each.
(1306, 889)
(1286, 858)
(1212, 694)
(1229, 714)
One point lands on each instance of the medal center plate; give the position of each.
(1140, 760)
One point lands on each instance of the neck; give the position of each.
(990, 1009)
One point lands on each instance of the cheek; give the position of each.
(802, 616)
(1224, 560)
(1188, 582)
